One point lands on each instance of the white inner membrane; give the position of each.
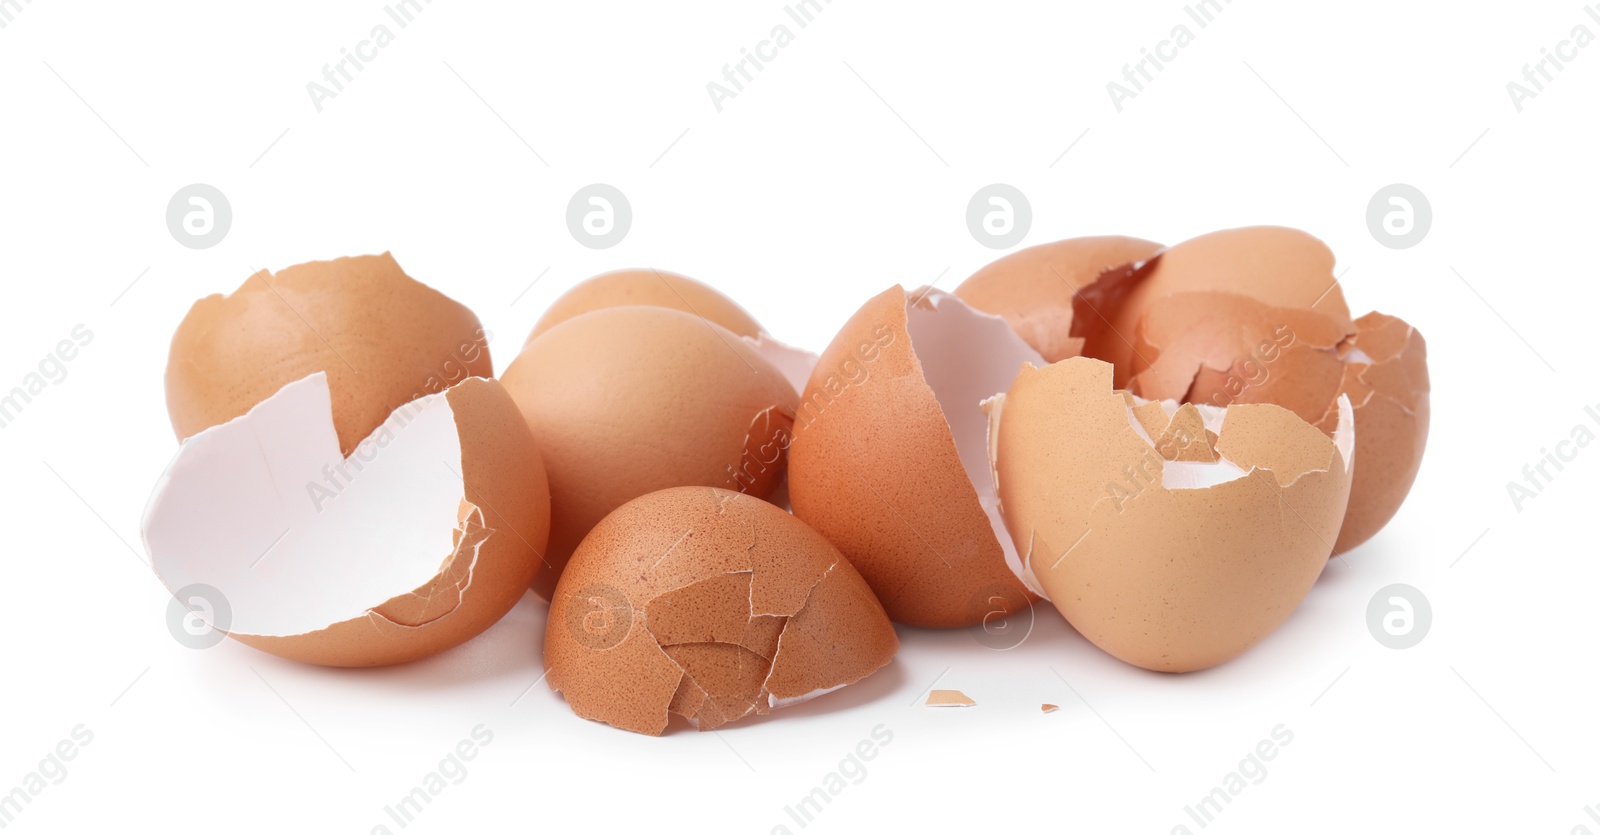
(266, 510)
(967, 357)
(1357, 355)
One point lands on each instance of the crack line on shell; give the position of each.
(460, 588)
(477, 499)
(764, 695)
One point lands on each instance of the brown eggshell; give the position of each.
(1223, 348)
(659, 288)
(238, 511)
(875, 466)
(1164, 577)
(1273, 265)
(709, 604)
(1390, 396)
(382, 338)
(1255, 315)
(629, 400)
(1041, 290)
(651, 287)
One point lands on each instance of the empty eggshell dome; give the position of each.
(423, 537)
(382, 338)
(659, 288)
(629, 400)
(651, 287)
(889, 459)
(708, 604)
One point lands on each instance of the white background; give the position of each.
(846, 166)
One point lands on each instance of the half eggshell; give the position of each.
(889, 459)
(424, 536)
(1173, 552)
(629, 400)
(382, 338)
(660, 288)
(711, 605)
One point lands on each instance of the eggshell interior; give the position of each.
(889, 461)
(314, 565)
(415, 542)
(966, 357)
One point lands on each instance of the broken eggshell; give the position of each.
(1249, 315)
(1055, 295)
(889, 460)
(1255, 315)
(382, 338)
(711, 605)
(660, 288)
(1386, 379)
(629, 400)
(1272, 266)
(1174, 550)
(428, 533)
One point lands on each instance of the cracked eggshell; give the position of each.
(708, 604)
(629, 400)
(1055, 295)
(1274, 266)
(1256, 315)
(1168, 564)
(1219, 349)
(659, 288)
(421, 539)
(889, 459)
(382, 338)
(1386, 379)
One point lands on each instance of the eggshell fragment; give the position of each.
(382, 338)
(421, 539)
(889, 459)
(659, 288)
(948, 698)
(709, 604)
(1167, 565)
(1056, 295)
(629, 400)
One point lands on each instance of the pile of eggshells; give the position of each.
(1167, 443)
